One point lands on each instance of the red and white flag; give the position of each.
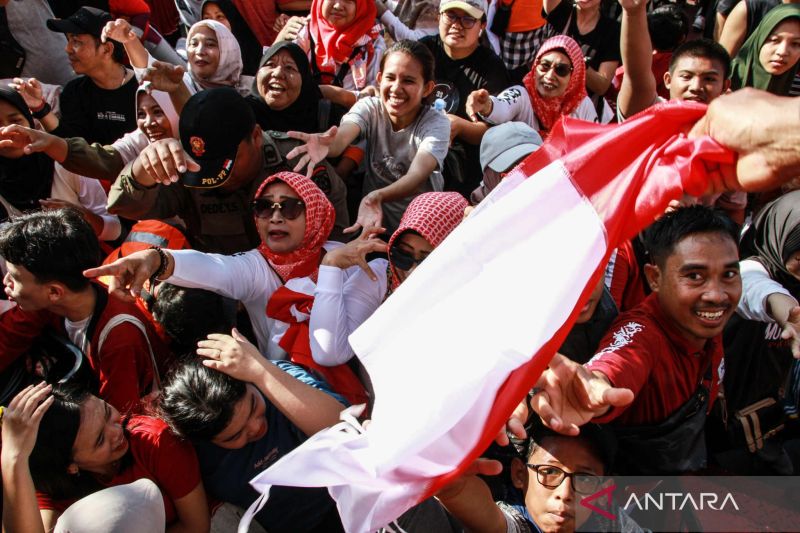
(460, 343)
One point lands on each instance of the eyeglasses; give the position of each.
(552, 476)
(402, 259)
(562, 69)
(466, 21)
(290, 208)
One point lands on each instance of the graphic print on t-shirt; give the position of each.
(446, 91)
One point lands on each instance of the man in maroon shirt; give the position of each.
(660, 365)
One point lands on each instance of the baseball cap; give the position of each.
(474, 8)
(85, 20)
(504, 145)
(212, 124)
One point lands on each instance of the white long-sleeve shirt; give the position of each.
(756, 287)
(343, 300)
(248, 278)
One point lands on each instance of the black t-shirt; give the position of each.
(724, 7)
(97, 115)
(756, 10)
(599, 45)
(457, 78)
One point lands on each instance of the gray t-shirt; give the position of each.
(45, 58)
(389, 153)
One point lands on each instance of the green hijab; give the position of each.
(747, 69)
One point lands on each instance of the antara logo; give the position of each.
(677, 501)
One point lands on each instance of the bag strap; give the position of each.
(121, 319)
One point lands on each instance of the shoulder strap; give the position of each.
(120, 319)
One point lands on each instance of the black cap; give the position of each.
(85, 20)
(212, 124)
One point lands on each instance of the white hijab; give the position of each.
(229, 70)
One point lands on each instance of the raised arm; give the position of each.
(120, 30)
(19, 429)
(308, 408)
(638, 91)
(733, 33)
(318, 146)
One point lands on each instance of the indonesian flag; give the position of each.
(461, 342)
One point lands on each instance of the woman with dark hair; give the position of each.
(760, 340)
(61, 444)
(285, 96)
(225, 12)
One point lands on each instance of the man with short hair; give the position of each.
(222, 158)
(98, 105)
(660, 365)
(698, 71)
(46, 253)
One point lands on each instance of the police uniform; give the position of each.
(218, 220)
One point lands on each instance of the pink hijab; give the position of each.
(433, 215)
(320, 216)
(549, 110)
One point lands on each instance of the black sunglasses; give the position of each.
(402, 259)
(466, 21)
(290, 208)
(562, 69)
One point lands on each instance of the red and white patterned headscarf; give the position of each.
(320, 216)
(549, 110)
(433, 215)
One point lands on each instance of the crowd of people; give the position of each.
(201, 201)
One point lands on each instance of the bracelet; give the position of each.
(42, 112)
(162, 267)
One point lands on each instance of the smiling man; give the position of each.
(698, 71)
(667, 351)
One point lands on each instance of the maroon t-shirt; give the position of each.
(643, 351)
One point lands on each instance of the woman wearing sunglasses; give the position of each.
(556, 86)
(343, 303)
(276, 282)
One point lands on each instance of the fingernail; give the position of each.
(182, 169)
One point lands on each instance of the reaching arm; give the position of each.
(120, 30)
(321, 145)
(598, 81)
(307, 408)
(192, 512)
(19, 429)
(638, 90)
(735, 29)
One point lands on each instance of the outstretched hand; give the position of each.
(568, 396)
(27, 139)
(479, 102)
(127, 275)
(370, 213)
(162, 161)
(119, 30)
(163, 76)
(30, 90)
(791, 331)
(315, 149)
(355, 252)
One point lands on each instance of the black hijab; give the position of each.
(775, 236)
(251, 48)
(25, 180)
(303, 113)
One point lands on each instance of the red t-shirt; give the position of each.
(627, 283)
(643, 351)
(157, 455)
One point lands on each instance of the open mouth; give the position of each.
(711, 318)
(277, 235)
(155, 135)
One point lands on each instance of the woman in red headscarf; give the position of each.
(275, 282)
(555, 86)
(341, 305)
(343, 41)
